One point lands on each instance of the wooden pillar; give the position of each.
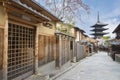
(36, 49)
(5, 48)
(4, 24)
(60, 50)
(64, 48)
(74, 54)
(68, 49)
(55, 47)
(72, 49)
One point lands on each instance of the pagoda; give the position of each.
(98, 29)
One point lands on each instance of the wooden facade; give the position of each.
(21, 47)
(28, 40)
(117, 31)
(115, 45)
(80, 50)
(94, 44)
(78, 33)
(24, 46)
(1, 50)
(46, 51)
(65, 49)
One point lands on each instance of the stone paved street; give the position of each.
(97, 67)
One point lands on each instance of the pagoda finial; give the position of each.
(98, 18)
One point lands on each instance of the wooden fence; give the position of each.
(80, 53)
(64, 49)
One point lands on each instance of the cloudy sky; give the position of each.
(109, 13)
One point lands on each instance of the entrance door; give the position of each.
(20, 51)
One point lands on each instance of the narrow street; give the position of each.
(97, 67)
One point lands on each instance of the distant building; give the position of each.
(117, 31)
(115, 45)
(98, 29)
(78, 33)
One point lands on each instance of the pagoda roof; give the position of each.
(102, 33)
(100, 29)
(99, 24)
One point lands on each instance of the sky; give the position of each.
(109, 11)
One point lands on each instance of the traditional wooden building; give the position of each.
(81, 41)
(93, 44)
(64, 44)
(115, 45)
(79, 52)
(90, 44)
(86, 44)
(117, 31)
(64, 48)
(27, 39)
(78, 33)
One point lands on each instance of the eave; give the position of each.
(61, 33)
(14, 6)
(99, 33)
(117, 28)
(102, 29)
(36, 6)
(99, 24)
(77, 28)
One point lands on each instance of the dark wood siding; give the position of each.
(1, 50)
(1, 47)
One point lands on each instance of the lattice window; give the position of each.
(20, 50)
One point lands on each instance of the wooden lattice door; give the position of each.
(20, 51)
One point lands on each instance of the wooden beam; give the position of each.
(40, 9)
(1, 27)
(1, 3)
(15, 18)
(12, 9)
(17, 5)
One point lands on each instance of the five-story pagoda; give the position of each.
(98, 29)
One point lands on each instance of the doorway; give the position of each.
(21, 42)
